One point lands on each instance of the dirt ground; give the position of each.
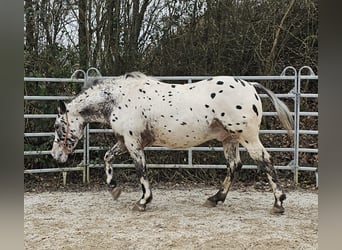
(176, 219)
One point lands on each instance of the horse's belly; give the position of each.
(181, 139)
(178, 144)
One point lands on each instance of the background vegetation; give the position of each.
(164, 37)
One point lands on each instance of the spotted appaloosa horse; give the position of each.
(143, 111)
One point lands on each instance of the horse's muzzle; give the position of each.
(58, 153)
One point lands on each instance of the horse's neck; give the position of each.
(95, 104)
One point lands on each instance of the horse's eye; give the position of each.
(56, 126)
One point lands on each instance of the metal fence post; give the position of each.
(190, 149)
(86, 129)
(84, 162)
(300, 76)
(86, 151)
(296, 127)
(296, 122)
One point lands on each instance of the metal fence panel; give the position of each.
(289, 74)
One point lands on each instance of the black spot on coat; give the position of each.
(255, 110)
(212, 95)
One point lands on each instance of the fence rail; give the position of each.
(289, 74)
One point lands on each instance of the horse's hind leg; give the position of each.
(257, 151)
(118, 149)
(231, 152)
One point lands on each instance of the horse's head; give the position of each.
(68, 131)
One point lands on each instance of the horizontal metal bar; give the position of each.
(50, 80)
(198, 78)
(279, 95)
(47, 134)
(214, 149)
(52, 170)
(308, 150)
(271, 113)
(171, 166)
(308, 168)
(307, 77)
(172, 78)
(206, 149)
(47, 98)
(40, 134)
(308, 132)
(38, 116)
(41, 152)
(308, 113)
(93, 131)
(44, 98)
(302, 113)
(99, 130)
(108, 130)
(203, 166)
(53, 116)
(48, 152)
(308, 95)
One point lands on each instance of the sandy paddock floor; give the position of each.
(176, 219)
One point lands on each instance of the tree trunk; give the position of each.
(31, 45)
(82, 34)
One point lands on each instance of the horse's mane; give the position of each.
(135, 74)
(93, 81)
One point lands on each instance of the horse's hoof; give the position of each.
(139, 207)
(116, 192)
(209, 203)
(277, 210)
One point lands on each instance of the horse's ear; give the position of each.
(62, 108)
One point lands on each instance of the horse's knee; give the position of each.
(108, 157)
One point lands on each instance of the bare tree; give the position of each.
(82, 34)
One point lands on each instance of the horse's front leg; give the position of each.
(138, 156)
(118, 149)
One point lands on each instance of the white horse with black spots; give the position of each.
(143, 111)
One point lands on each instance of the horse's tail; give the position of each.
(281, 108)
